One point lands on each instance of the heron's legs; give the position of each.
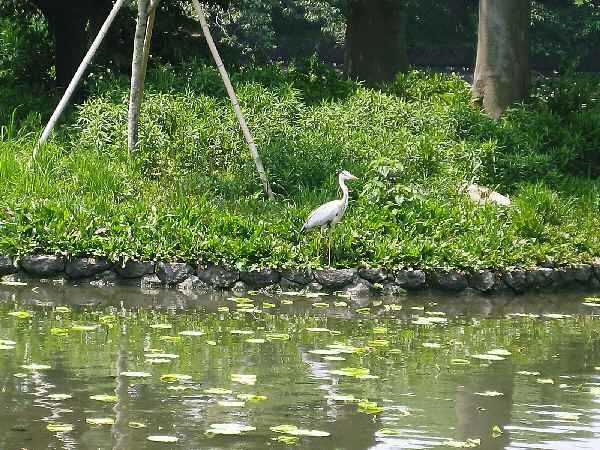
(329, 249)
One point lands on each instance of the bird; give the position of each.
(330, 213)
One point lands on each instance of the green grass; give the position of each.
(192, 193)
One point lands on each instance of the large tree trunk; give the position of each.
(502, 73)
(376, 40)
(68, 21)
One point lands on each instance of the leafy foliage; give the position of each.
(192, 192)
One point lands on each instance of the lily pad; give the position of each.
(56, 331)
(172, 377)
(255, 341)
(191, 333)
(229, 428)
(469, 443)
(163, 439)
(136, 374)
(35, 367)
(20, 314)
(545, 381)
(231, 403)
(247, 379)
(84, 327)
(251, 397)
(277, 337)
(100, 420)
(59, 427)
(218, 391)
(490, 394)
(106, 398)
(161, 326)
(60, 396)
(487, 357)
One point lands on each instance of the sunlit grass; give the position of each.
(191, 192)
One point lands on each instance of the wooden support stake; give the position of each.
(234, 100)
(137, 75)
(64, 101)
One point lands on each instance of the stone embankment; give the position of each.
(357, 281)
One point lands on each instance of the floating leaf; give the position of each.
(487, 357)
(325, 351)
(545, 381)
(229, 428)
(62, 309)
(172, 377)
(309, 433)
(277, 336)
(107, 398)
(363, 311)
(340, 304)
(389, 432)
(60, 396)
(566, 416)
(499, 352)
(490, 394)
(191, 333)
(285, 301)
(247, 379)
(318, 330)
(251, 397)
(211, 343)
(35, 367)
(379, 343)
(59, 427)
(497, 431)
(218, 391)
(242, 332)
(429, 320)
(525, 372)
(320, 305)
(158, 360)
(267, 305)
(170, 338)
(161, 356)
(368, 407)
(380, 330)
(7, 342)
(6, 347)
(136, 374)
(557, 316)
(351, 372)
(469, 443)
(431, 345)
(223, 309)
(161, 326)
(286, 440)
(13, 283)
(231, 403)
(460, 362)
(100, 420)
(84, 327)
(20, 314)
(334, 358)
(164, 439)
(342, 398)
(59, 331)
(283, 428)
(136, 425)
(255, 341)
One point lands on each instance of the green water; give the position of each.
(421, 375)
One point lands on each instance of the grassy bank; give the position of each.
(192, 194)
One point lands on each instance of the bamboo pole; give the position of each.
(64, 101)
(234, 100)
(137, 76)
(147, 42)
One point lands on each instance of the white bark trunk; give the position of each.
(64, 101)
(137, 76)
(234, 100)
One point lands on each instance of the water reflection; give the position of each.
(432, 395)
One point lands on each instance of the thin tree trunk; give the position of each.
(148, 42)
(234, 100)
(502, 74)
(137, 76)
(64, 101)
(376, 40)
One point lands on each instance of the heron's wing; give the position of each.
(323, 214)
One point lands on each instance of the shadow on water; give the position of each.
(439, 371)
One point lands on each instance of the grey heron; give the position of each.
(330, 213)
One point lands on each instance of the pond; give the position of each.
(116, 368)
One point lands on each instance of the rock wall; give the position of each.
(358, 281)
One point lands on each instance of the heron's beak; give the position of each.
(352, 177)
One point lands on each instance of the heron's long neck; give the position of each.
(344, 191)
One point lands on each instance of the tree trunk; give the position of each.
(502, 74)
(68, 22)
(376, 40)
